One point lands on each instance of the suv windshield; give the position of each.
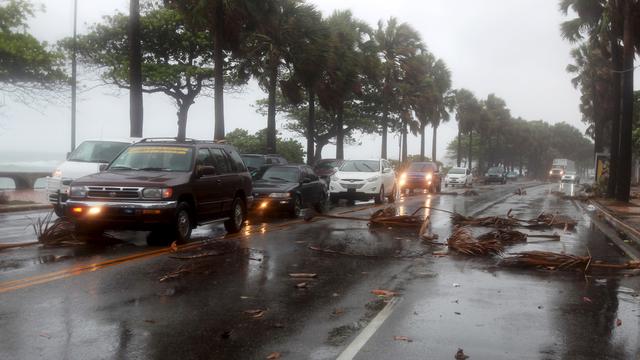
(97, 151)
(288, 174)
(254, 162)
(154, 158)
(494, 171)
(421, 167)
(361, 166)
(457, 171)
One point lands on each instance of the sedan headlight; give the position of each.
(78, 191)
(372, 179)
(279, 195)
(157, 193)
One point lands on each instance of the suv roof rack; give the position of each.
(186, 140)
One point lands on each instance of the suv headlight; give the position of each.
(78, 191)
(279, 195)
(429, 176)
(157, 193)
(372, 179)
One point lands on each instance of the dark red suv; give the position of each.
(165, 186)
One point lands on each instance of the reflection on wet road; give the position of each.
(234, 297)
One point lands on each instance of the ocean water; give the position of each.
(10, 161)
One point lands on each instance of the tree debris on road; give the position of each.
(556, 261)
(463, 241)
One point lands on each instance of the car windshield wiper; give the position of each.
(154, 169)
(276, 178)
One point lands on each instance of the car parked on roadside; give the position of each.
(421, 175)
(364, 180)
(85, 159)
(258, 163)
(166, 186)
(325, 168)
(290, 188)
(495, 174)
(458, 176)
(512, 175)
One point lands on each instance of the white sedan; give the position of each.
(364, 180)
(458, 176)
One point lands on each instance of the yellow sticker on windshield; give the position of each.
(158, 150)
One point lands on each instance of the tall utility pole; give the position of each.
(135, 70)
(73, 75)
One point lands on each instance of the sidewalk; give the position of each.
(625, 219)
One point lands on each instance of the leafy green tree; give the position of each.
(467, 112)
(26, 64)
(176, 60)
(247, 143)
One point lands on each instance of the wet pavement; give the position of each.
(232, 297)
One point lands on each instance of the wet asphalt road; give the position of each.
(117, 298)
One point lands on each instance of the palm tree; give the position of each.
(280, 26)
(349, 45)
(135, 70)
(394, 42)
(467, 112)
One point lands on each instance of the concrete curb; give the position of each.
(18, 208)
(619, 226)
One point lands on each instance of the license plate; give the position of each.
(350, 186)
(351, 190)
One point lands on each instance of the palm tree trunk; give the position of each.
(218, 78)
(616, 59)
(459, 146)
(340, 135)
(135, 70)
(470, 155)
(626, 124)
(271, 111)
(433, 143)
(404, 141)
(311, 126)
(423, 127)
(383, 151)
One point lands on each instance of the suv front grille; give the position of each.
(113, 192)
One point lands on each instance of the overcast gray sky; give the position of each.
(510, 48)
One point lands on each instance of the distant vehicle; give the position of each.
(364, 180)
(512, 175)
(570, 177)
(290, 188)
(165, 186)
(458, 176)
(560, 167)
(83, 160)
(421, 175)
(258, 163)
(325, 168)
(495, 174)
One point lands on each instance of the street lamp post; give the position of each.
(73, 76)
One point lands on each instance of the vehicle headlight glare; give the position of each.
(78, 191)
(429, 176)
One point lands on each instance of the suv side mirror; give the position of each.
(205, 170)
(103, 167)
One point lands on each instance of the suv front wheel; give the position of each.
(238, 215)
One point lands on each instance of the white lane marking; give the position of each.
(356, 345)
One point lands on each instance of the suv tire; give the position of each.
(379, 199)
(323, 206)
(183, 223)
(394, 195)
(59, 211)
(238, 216)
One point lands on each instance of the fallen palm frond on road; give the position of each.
(384, 217)
(53, 232)
(488, 221)
(557, 261)
(463, 241)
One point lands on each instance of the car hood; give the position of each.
(455, 176)
(356, 175)
(265, 186)
(134, 178)
(76, 169)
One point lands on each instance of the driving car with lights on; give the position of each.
(166, 186)
(421, 175)
(364, 180)
(85, 159)
(290, 188)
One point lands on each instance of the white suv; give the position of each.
(458, 176)
(84, 160)
(364, 180)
